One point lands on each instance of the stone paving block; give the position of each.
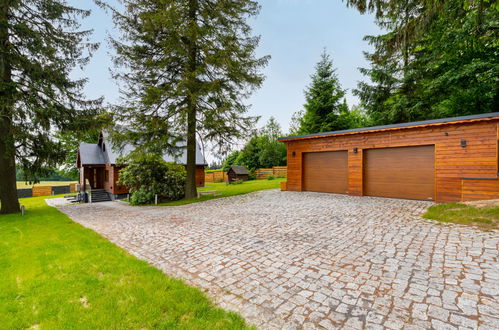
(463, 321)
(394, 323)
(419, 311)
(354, 323)
(485, 320)
(439, 325)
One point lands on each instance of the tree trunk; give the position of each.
(406, 41)
(479, 17)
(190, 184)
(8, 189)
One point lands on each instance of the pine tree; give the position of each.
(390, 61)
(186, 67)
(455, 67)
(437, 59)
(323, 99)
(385, 80)
(40, 43)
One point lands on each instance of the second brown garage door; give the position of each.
(406, 172)
(326, 171)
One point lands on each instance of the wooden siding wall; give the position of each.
(355, 179)
(474, 190)
(200, 176)
(479, 159)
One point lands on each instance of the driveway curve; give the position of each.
(311, 260)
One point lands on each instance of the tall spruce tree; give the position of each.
(323, 99)
(437, 59)
(186, 67)
(40, 43)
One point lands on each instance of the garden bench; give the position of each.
(208, 192)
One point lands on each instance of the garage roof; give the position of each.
(484, 116)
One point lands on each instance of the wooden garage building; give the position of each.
(443, 160)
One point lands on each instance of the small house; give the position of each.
(237, 172)
(97, 166)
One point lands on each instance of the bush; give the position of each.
(173, 186)
(141, 197)
(270, 177)
(146, 175)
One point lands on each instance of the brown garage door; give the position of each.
(325, 171)
(407, 172)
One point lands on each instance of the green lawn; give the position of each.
(485, 218)
(23, 184)
(56, 274)
(227, 190)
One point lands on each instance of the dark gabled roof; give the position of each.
(113, 154)
(239, 170)
(103, 153)
(91, 154)
(395, 126)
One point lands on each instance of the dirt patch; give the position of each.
(84, 302)
(484, 203)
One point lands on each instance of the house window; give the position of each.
(106, 175)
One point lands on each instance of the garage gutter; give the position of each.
(416, 124)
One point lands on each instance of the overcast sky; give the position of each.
(293, 32)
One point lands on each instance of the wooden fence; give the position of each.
(277, 171)
(215, 177)
(262, 173)
(42, 191)
(37, 191)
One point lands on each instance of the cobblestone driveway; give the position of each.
(311, 260)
